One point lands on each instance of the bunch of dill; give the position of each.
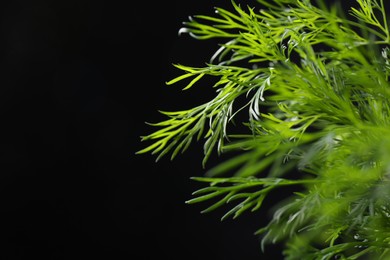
(302, 101)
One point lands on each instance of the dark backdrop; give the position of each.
(78, 81)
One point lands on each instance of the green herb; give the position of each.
(302, 101)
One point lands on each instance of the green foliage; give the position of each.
(302, 100)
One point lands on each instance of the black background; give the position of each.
(78, 81)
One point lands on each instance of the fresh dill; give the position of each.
(313, 82)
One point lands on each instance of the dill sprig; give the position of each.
(312, 82)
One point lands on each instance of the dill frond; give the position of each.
(314, 83)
